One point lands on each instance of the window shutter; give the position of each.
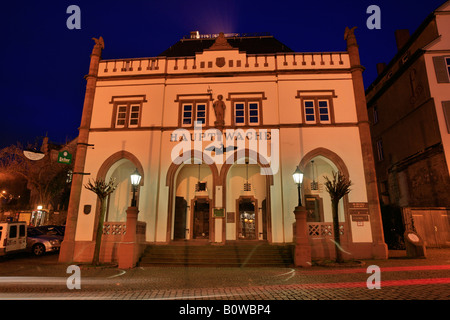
(440, 69)
(446, 107)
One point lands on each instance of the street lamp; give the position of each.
(135, 179)
(298, 179)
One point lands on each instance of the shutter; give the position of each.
(446, 107)
(441, 69)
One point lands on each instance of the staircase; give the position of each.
(234, 255)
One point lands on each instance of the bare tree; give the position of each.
(102, 190)
(46, 177)
(337, 188)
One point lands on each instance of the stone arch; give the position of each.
(336, 160)
(330, 155)
(170, 182)
(114, 158)
(106, 167)
(265, 166)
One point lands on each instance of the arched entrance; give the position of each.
(191, 199)
(193, 202)
(246, 196)
(119, 166)
(316, 165)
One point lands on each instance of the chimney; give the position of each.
(380, 67)
(401, 37)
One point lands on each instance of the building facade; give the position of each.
(409, 109)
(216, 125)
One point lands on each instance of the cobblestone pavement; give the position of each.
(25, 277)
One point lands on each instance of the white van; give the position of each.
(13, 237)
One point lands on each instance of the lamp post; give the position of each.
(298, 179)
(135, 180)
(129, 249)
(302, 256)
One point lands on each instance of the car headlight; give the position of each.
(54, 242)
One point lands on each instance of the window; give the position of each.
(317, 111)
(247, 113)
(127, 115)
(446, 109)
(134, 116)
(193, 111)
(21, 230)
(324, 114)
(253, 113)
(380, 150)
(309, 111)
(187, 115)
(375, 115)
(447, 63)
(239, 109)
(12, 232)
(201, 113)
(442, 68)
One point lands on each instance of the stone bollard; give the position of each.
(415, 246)
(302, 255)
(128, 248)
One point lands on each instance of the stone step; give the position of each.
(210, 255)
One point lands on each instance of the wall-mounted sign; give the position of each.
(360, 217)
(219, 212)
(64, 157)
(358, 208)
(230, 217)
(87, 209)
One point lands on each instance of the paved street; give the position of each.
(26, 277)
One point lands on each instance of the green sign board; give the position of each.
(219, 212)
(64, 157)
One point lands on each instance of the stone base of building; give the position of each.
(324, 248)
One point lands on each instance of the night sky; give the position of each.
(43, 63)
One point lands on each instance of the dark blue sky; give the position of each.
(43, 62)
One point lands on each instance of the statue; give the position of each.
(219, 110)
(349, 36)
(98, 47)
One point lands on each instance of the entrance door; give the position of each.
(247, 219)
(201, 218)
(179, 232)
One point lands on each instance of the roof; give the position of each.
(264, 44)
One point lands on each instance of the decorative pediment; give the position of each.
(221, 43)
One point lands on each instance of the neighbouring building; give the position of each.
(216, 125)
(409, 111)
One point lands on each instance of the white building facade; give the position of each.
(216, 136)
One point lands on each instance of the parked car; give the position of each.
(39, 243)
(53, 230)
